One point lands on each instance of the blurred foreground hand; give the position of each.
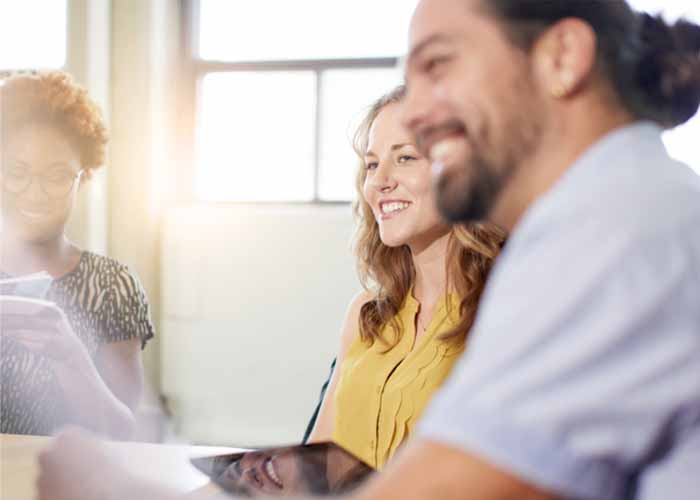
(76, 466)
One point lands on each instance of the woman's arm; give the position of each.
(103, 395)
(323, 430)
(90, 398)
(126, 329)
(121, 367)
(115, 384)
(322, 395)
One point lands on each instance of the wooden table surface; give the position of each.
(168, 464)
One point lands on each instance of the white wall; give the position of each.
(88, 60)
(253, 299)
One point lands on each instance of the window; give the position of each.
(278, 94)
(255, 136)
(279, 30)
(681, 142)
(346, 94)
(29, 40)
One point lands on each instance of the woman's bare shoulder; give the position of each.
(351, 329)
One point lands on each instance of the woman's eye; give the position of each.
(372, 165)
(434, 63)
(60, 177)
(405, 158)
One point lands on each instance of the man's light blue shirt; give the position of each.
(582, 371)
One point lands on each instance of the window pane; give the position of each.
(30, 40)
(346, 96)
(282, 29)
(255, 137)
(681, 141)
(670, 10)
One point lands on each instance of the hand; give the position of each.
(77, 467)
(47, 333)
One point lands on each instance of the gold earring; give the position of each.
(559, 90)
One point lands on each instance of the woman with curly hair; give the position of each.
(422, 279)
(85, 367)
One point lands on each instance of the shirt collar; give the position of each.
(621, 145)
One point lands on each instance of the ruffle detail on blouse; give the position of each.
(409, 394)
(382, 394)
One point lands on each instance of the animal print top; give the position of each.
(104, 303)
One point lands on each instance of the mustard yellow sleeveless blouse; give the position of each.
(381, 395)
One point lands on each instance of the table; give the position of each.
(168, 464)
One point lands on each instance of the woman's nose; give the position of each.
(35, 191)
(384, 179)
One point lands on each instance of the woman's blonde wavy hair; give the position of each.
(53, 97)
(389, 271)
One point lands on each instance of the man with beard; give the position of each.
(582, 378)
(582, 375)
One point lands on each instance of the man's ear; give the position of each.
(564, 57)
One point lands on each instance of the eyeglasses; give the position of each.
(54, 185)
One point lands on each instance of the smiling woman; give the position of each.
(84, 367)
(423, 280)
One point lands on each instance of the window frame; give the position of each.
(195, 69)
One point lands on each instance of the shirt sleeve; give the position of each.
(128, 315)
(677, 474)
(580, 373)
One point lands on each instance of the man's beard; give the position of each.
(469, 192)
(469, 198)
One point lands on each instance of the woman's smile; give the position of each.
(391, 208)
(34, 213)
